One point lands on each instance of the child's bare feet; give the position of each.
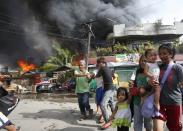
(100, 119)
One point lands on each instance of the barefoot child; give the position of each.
(121, 117)
(98, 96)
(152, 71)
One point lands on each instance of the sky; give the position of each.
(166, 10)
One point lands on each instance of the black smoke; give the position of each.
(27, 27)
(22, 36)
(68, 14)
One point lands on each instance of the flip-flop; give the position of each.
(106, 125)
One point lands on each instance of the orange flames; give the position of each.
(25, 66)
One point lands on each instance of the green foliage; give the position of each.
(48, 67)
(119, 48)
(65, 75)
(61, 57)
(104, 51)
(179, 48)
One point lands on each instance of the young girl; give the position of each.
(98, 96)
(121, 117)
(152, 71)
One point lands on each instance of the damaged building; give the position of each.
(155, 32)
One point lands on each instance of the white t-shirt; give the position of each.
(99, 80)
(153, 69)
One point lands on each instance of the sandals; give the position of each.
(106, 125)
(83, 117)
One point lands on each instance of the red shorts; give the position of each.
(172, 114)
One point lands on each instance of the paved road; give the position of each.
(33, 115)
(48, 114)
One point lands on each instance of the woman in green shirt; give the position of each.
(140, 82)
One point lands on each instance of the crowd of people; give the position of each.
(162, 82)
(154, 87)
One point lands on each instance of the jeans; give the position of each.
(83, 100)
(139, 120)
(108, 98)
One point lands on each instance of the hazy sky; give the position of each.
(166, 10)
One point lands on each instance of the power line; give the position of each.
(20, 26)
(9, 23)
(49, 34)
(44, 25)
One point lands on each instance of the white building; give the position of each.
(147, 32)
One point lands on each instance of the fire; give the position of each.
(25, 66)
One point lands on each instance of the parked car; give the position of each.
(53, 86)
(69, 84)
(46, 86)
(42, 86)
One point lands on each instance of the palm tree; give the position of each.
(62, 57)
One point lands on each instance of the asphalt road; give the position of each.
(48, 112)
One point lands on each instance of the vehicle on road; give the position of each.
(53, 86)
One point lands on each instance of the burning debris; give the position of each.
(26, 66)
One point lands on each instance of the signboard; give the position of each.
(121, 58)
(127, 57)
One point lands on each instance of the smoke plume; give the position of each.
(21, 35)
(26, 25)
(71, 13)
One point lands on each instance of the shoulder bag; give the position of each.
(148, 109)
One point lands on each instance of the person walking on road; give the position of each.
(82, 90)
(109, 89)
(121, 116)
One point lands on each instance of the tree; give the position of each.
(61, 57)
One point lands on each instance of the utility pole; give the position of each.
(90, 34)
(88, 45)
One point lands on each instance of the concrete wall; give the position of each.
(148, 29)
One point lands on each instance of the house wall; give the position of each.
(148, 29)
